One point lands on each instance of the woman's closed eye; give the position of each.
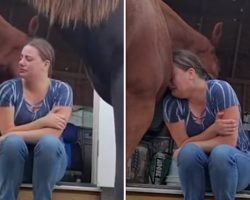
(27, 58)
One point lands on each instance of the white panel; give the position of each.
(103, 128)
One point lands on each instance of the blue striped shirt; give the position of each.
(11, 94)
(220, 95)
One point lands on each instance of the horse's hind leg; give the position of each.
(139, 115)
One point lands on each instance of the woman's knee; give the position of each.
(221, 153)
(49, 144)
(14, 144)
(189, 154)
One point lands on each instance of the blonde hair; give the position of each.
(186, 60)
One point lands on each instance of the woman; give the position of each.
(203, 117)
(34, 110)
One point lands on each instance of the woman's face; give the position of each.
(180, 82)
(30, 64)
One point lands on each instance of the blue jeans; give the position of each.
(43, 164)
(226, 170)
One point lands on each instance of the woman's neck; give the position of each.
(199, 93)
(38, 85)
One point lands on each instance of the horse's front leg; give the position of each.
(139, 115)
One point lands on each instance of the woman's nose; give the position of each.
(21, 61)
(171, 84)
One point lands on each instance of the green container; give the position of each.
(159, 168)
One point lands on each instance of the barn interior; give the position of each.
(234, 55)
(233, 52)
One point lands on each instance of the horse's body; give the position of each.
(153, 31)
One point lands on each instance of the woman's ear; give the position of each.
(47, 63)
(191, 73)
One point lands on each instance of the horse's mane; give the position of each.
(91, 12)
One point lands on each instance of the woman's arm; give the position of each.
(179, 134)
(229, 135)
(35, 134)
(223, 131)
(56, 119)
(6, 119)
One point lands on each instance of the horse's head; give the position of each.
(206, 51)
(12, 41)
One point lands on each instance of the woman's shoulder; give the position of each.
(11, 82)
(218, 84)
(170, 101)
(61, 87)
(169, 98)
(217, 81)
(55, 83)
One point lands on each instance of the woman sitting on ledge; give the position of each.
(34, 111)
(203, 117)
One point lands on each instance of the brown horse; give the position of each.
(153, 31)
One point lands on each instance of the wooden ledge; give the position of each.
(153, 192)
(65, 192)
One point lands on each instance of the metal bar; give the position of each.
(237, 46)
(238, 39)
(203, 9)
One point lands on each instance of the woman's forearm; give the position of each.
(208, 134)
(33, 136)
(37, 124)
(208, 145)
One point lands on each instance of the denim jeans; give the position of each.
(43, 164)
(226, 170)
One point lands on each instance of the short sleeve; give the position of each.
(224, 95)
(173, 110)
(64, 95)
(7, 94)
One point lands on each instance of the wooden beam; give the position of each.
(26, 193)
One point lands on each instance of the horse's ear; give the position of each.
(33, 26)
(217, 33)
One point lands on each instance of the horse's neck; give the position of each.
(182, 35)
(9, 33)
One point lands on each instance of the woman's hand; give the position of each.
(54, 120)
(2, 138)
(176, 153)
(224, 127)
